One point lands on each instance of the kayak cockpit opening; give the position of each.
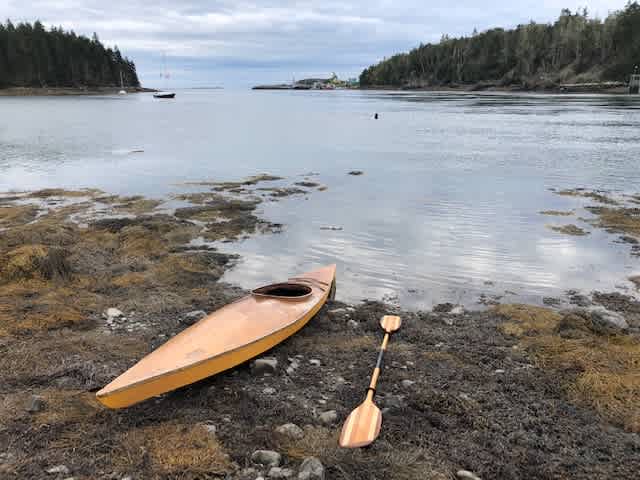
(287, 291)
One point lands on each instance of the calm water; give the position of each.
(447, 208)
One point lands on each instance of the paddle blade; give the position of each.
(362, 426)
(390, 323)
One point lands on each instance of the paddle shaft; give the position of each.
(371, 391)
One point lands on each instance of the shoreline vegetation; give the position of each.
(68, 91)
(34, 59)
(575, 53)
(90, 282)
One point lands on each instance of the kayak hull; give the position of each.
(144, 381)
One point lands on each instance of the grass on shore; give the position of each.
(606, 367)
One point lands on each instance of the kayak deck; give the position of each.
(227, 337)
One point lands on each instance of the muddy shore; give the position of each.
(510, 392)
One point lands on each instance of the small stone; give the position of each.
(192, 317)
(439, 345)
(353, 324)
(59, 469)
(407, 383)
(277, 472)
(128, 477)
(264, 365)
(269, 391)
(315, 362)
(457, 310)
(328, 417)
(499, 370)
(448, 321)
(290, 430)
(112, 313)
(465, 396)
(338, 311)
(311, 469)
(268, 458)
(210, 428)
(36, 404)
(290, 370)
(467, 475)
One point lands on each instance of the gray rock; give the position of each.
(328, 417)
(112, 314)
(36, 404)
(393, 401)
(268, 458)
(269, 391)
(467, 475)
(192, 317)
(315, 362)
(457, 310)
(499, 371)
(290, 430)
(277, 472)
(264, 365)
(603, 318)
(353, 324)
(407, 383)
(59, 469)
(128, 477)
(311, 469)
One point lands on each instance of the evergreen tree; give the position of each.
(31, 56)
(573, 48)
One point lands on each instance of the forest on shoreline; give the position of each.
(573, 49)
(32, 56)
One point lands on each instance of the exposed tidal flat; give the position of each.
(540, 382)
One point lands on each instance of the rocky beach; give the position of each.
(90, 282)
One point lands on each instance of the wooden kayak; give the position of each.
(227, 337)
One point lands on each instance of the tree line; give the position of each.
(32, 56)
(575, 48)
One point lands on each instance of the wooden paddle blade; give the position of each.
(362, 426)
(390, 323)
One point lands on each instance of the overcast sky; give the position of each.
(238, 43)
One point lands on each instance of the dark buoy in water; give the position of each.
(375, 117)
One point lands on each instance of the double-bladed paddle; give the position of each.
(363, 424)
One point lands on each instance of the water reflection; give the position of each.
(448, 207)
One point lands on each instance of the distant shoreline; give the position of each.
(67, 91)
(603, 87)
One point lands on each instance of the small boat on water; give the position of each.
(227, 337)
(165, 75)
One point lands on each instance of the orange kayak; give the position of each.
(227, 337)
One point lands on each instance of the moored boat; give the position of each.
(227, 337)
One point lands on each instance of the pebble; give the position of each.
(457, 310)
(315, 362)
(328, 417)
(353, 324)
(192, 317)
(467, 475)
(248, 473)
(407, 383)
(36, 404)
(311, 469)
(290, 430)
(269, 391)
(439, 345)
(128, 477)
(113, 313)
(59, 469)
(277, 472)
(338, 311)
(268, 458)
(264, 365)
(499, 370)
(210, 428)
